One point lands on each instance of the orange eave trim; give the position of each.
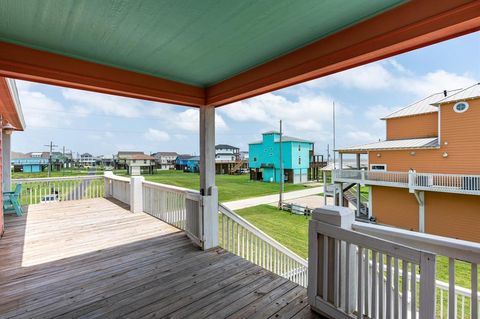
(415, 24)
(39, 66)
(8, 110)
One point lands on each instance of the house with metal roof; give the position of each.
(264, 158)
(165, 160)
(429, 162)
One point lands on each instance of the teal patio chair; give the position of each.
(11, 201)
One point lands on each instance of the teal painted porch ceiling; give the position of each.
(199, 42)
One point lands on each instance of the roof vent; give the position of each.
(445, 93)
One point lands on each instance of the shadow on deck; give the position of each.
(95, 259)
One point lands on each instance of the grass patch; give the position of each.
(288, 229)
(230, 187)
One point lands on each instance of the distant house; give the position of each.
(29, 164)
(244, 155)
(136, 162)
(188, 163)
(87, 159)
(226, 153)
(264, 158)
(165, 160)
(104, 160)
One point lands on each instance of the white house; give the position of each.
(165, 160)
(226, 153)
(135, 162)
(87, 159)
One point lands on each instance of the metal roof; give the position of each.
(466, 94)
(423, 106)
(224, 146)
(415, 143)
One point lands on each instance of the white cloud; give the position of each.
(189, 120)
(86, 103)
(155, 135)
(38, 108)
(391, 75)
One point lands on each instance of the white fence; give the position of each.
(54, 189)
(449, 183)
(343, 284)
(177, 206)
(452, 301)
(247, 241)
(117, 187)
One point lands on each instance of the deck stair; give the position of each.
(351, 196)
(237, 166)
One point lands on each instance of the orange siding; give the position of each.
(419, 126)
(395, 206)
(460, 139)
(453, 215)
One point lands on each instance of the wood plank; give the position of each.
(94, 259)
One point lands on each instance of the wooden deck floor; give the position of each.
(94, 259)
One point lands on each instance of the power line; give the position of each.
(51, 146)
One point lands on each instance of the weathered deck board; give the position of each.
(95, 259)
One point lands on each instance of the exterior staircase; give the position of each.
(350, 195)
(237, 166)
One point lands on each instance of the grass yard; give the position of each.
(230, 187)
(292, 231)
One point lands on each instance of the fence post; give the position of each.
(427, 286)
(337, 271)
(106, 184)
(411, 181)
(136, 194)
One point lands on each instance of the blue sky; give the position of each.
(101, 124)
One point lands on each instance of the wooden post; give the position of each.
(341, 217)
(136, 194)
(106, 184)
(7, 173)
(207, 177)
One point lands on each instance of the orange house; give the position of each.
(426, 175)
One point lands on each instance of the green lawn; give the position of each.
(292, 231)
(230, 187)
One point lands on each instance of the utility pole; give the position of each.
(328, 154)
(51, 146)
(334, 161)
(280, 199)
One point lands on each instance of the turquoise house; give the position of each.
(264, 158)
(29, 164)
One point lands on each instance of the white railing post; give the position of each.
(322, 270)
(136, 194)
(411, 181)
(210, 219)
(106, 184)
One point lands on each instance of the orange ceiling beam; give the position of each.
(407, 27)
(410, 26)
(8, 110)
(39, 66)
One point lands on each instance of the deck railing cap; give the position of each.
(334, 215)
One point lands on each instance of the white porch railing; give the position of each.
(54, 189)
(448, 183)
(368, 270)
(176, 206)
(247, 241)
(117, 187)
(452, 301)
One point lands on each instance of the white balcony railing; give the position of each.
(177, 206)
(240, 237)
(448, 183)
(373, 271)
(56, 189)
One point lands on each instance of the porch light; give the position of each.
(445, 154)
(8, 128)
(412, 153)
(379, 155)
